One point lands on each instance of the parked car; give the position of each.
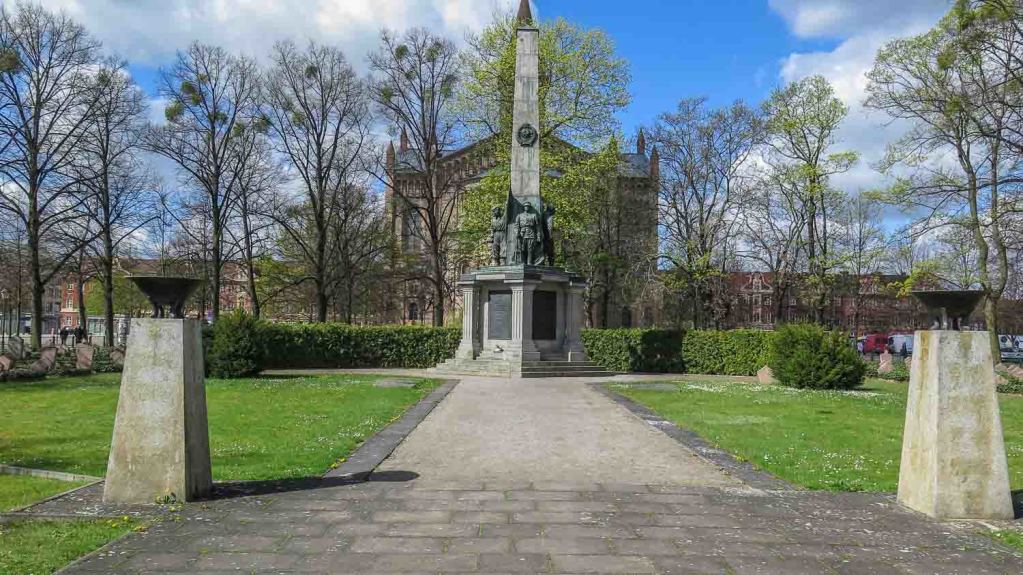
(875, 342)
(898, 341)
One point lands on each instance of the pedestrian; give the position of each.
(79, 335)
(903, 352)
(859, 346)
(63, 336)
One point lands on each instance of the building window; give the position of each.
(413, 311)
(70, 303)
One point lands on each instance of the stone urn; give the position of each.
(167, 294)
(949, 308)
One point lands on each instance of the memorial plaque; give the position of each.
(499, 308)
(545, 315)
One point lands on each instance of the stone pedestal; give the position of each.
(522, 321)
(953, 455)
(160, 445)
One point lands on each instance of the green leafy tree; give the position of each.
(582, 85)
(802, 121)
(956, 169)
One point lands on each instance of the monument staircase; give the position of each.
(489, 365)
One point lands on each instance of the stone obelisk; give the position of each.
(525, 145)
(522, 316)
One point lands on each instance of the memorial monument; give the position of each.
(522, 316)
(160, 448)
(953, 455)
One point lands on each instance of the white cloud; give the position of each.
(846, 18)
(148, 32)
(863, 26)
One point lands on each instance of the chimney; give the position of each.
(641, 143)
(403, 147)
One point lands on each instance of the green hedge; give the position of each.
(338, 345)
(734, 352)
(649, 350)
(731, 352)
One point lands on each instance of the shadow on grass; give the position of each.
(234, 489)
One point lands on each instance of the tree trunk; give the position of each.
(321, 301)
(108, 302)
(83, 313)
(991, 318)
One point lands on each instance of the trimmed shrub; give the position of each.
(807, 356)
(235, 350)
(102, 363)
(338, 345)
(731, 352)
(649, 350)
(899, 372)
(1011, 384)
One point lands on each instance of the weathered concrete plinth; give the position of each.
(521, 321)
(161, 444)
(953, 455)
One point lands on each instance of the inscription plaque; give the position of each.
(499, 306)
(545, 315)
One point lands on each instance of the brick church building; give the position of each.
(465, 167)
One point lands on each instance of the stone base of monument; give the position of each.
(160, 447)
(953, 455)
(522, 321)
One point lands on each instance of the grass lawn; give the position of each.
(44, 546)
(259, 428)
(1008, 537)
(839, 441)
(19, 490)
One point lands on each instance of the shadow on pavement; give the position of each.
(234, 489)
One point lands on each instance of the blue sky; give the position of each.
(723, 49)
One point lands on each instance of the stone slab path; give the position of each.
(544, 430)
(547, 476)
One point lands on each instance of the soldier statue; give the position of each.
(529, 231)
(548, 234)
(498, 229)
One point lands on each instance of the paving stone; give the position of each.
(479, 517)
(644, 547)
(692, 565)
(424, 562)
(584, 531)
(595, 506)
(397, 545)
(513, 563)
(412, 516)
(774, 566)
(577, 546)
(479, 545)
(513, 530)
(246, 561)
(432, 530)
(863, 567)
(544, 495)
(602, 564)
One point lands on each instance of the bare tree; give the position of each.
(772, 227)
(319, 121)
(119, 202)
(252, 231)
(46, 102)
(414, 82)
(862, 241)
(212, 97)
(705, 177)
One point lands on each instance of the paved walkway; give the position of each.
(544, 431)
(548, 476)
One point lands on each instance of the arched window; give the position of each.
(413, 311)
